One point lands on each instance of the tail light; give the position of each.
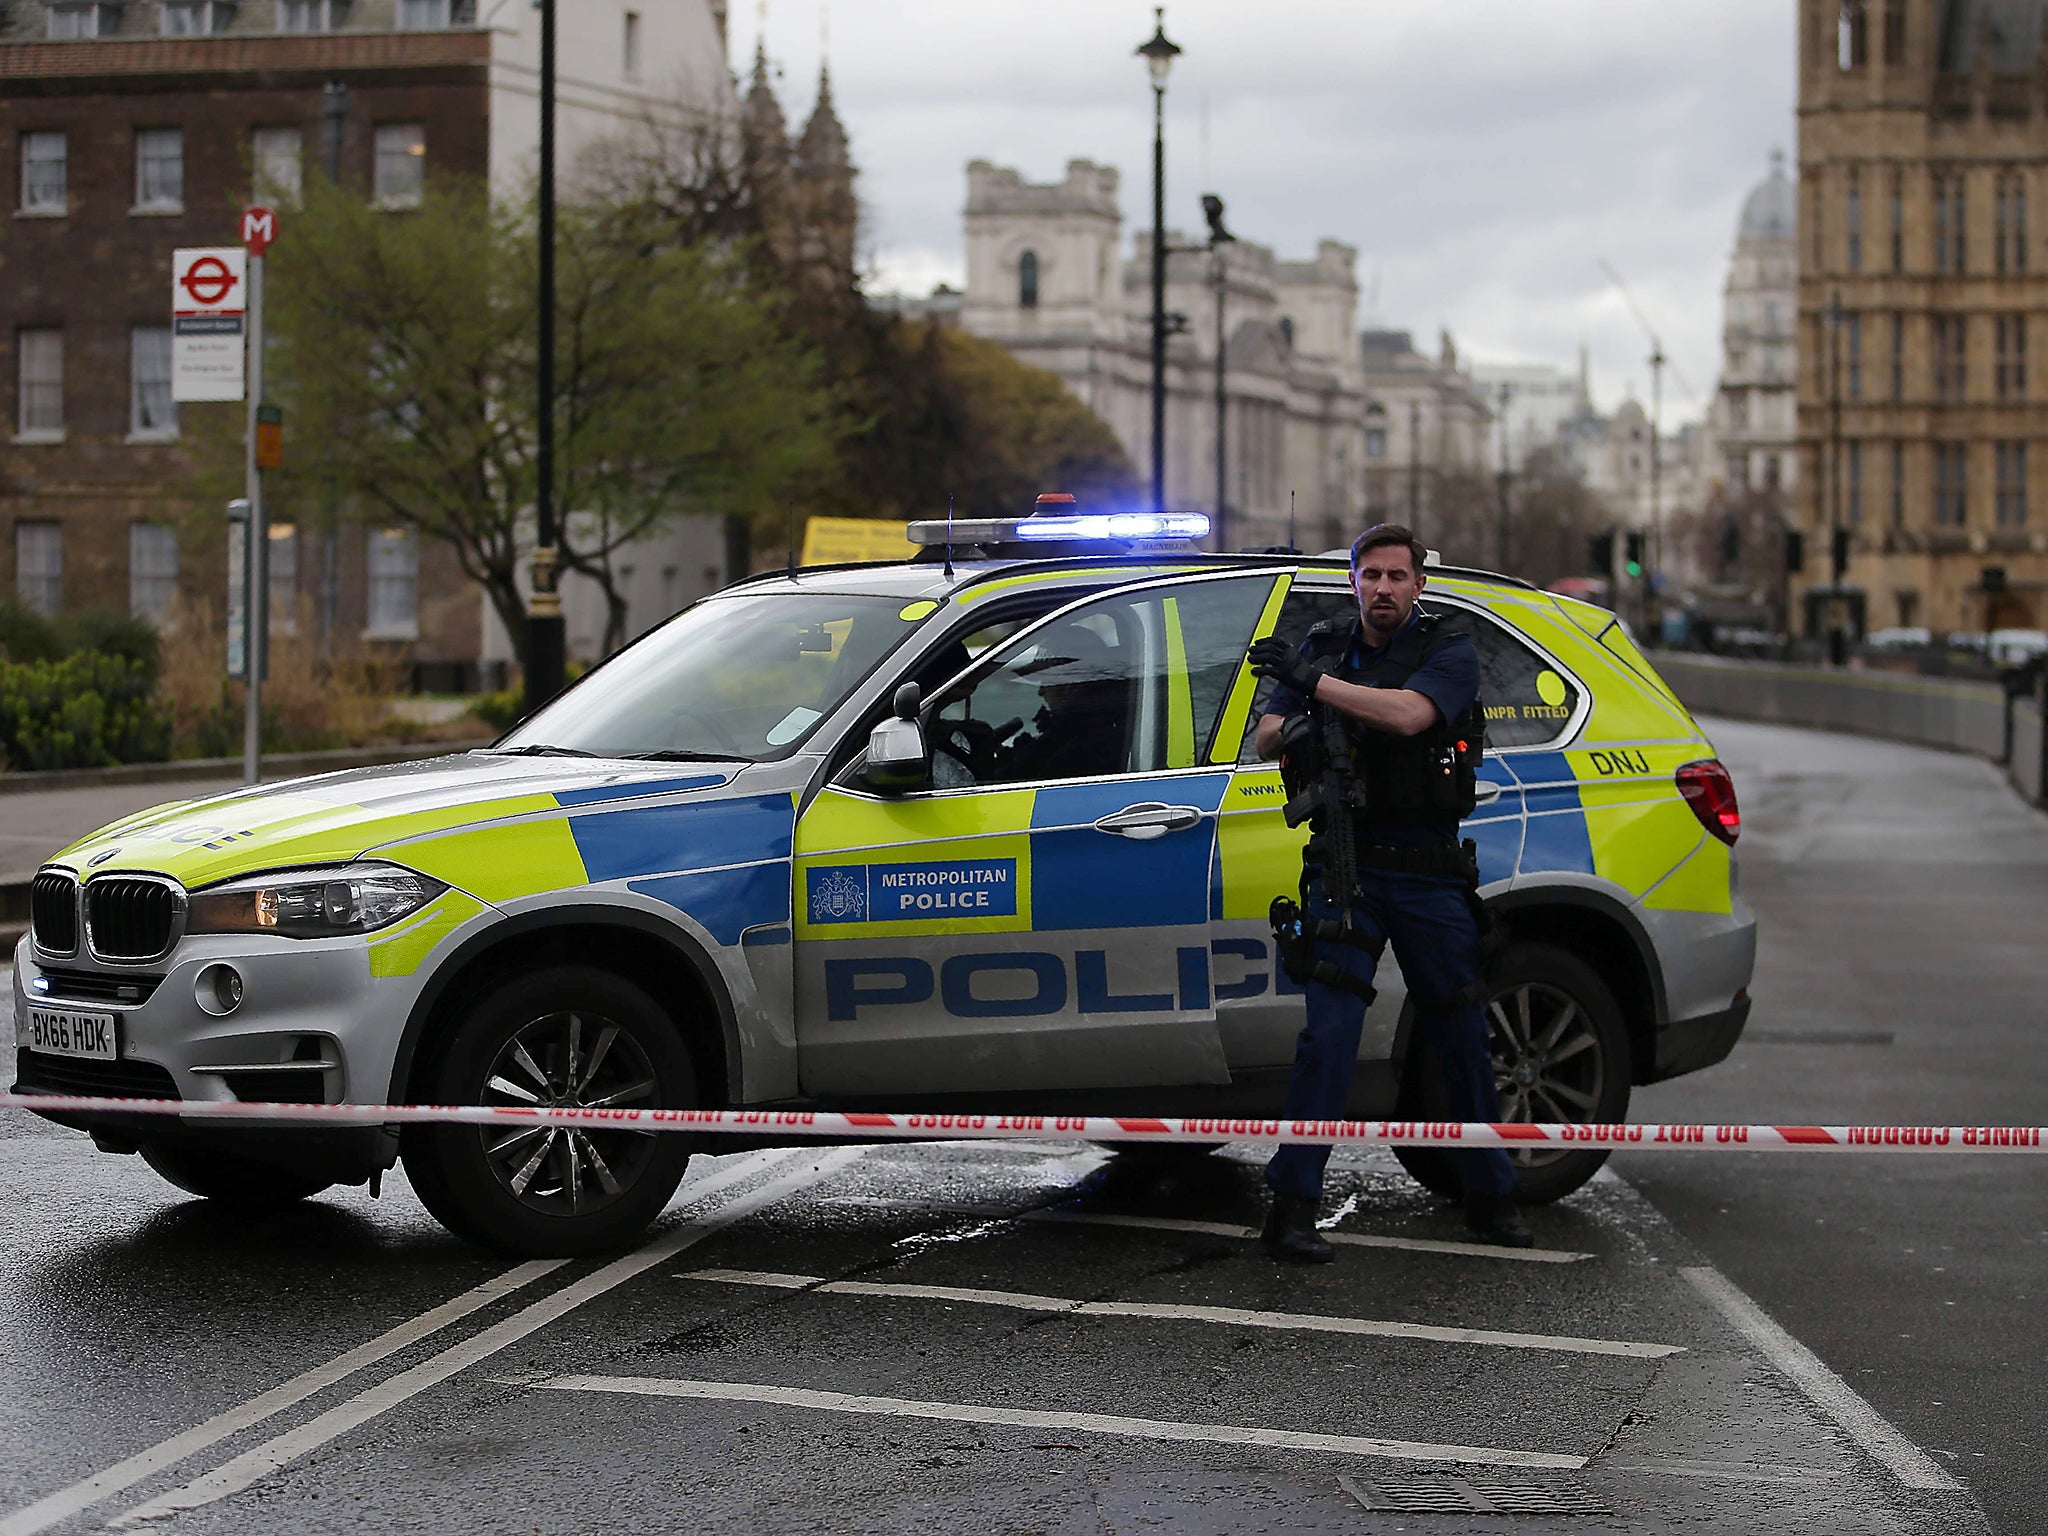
(1709, 789)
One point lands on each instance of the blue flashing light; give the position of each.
(1116, 525)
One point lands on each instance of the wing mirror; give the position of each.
(898, 759)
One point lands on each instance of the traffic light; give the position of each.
(1839, 546)
(1634, 547)
(1795, 551)
(1600, 553)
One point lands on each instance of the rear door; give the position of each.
(1038, 918)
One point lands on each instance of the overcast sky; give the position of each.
(1483, 155)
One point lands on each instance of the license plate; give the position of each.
(58, 1033)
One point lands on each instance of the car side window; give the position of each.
(1132, 683)
(1529, 703)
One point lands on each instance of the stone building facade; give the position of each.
(1047, 280)
(130, 129)
(1923, 170)
(1426, 428)
(1755, 410)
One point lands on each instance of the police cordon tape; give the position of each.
(876, 1126)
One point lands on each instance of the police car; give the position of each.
(980, 829)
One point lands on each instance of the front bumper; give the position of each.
(313, 1026)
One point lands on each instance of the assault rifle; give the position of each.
(1325, 790)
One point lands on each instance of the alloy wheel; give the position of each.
(1547, 1060)
(569, 1060)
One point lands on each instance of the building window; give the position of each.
(1898, 357)
(1774, 472)
(1853, 222)
(1852, 35)
(151, 410)
(43, 167)
(311, 15)
(195, 18)
(394, 579)
(2009, 244)
(1898, 221)
(277, 164)
(1853, 453)
(39, 360)
(1852, 341)
(2012, 357)
(1894, 32)
(39, 565)
(160, 169)
(152, 570)
(1375, 442)
(68, 23)
(1898, 484)
(283, 587)
(425, 15)
(401, 165)
(1949, 212)
(1951, 359)
(1287, 332)
(632, 45)
(1951, 484)
(2012, 485)
(1027, 280)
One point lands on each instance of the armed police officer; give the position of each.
(1378, 728)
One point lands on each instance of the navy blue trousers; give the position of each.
(1430, 925)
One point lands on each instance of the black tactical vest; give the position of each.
(1427, 778)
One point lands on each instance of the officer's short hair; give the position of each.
(1380, 535)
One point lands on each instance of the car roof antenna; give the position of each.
(949, 535)
(1292, 546)
(789, 517)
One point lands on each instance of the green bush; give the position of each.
(86, 710)
(500, 710)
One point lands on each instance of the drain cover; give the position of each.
(1448, 1494)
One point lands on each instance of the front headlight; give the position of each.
(314, 903)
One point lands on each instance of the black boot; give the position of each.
(1291, 1232)
(1497, 1219)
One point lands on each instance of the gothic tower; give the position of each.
(828, 214)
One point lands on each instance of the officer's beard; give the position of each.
(1384, 616)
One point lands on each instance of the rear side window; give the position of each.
(1529, 703)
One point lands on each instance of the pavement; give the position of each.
(1028, 1337)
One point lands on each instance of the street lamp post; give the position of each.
(1506, 394)
(1212, 210)
(1838, 642)
(544, 608)
(1158, 54)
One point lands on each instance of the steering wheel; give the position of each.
(974, 744)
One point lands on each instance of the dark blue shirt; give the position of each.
(1448, 678)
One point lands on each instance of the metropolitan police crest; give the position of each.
(838, 896)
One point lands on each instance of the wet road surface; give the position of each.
(1044, 1338)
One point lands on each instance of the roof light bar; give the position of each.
(1127, 526)
(1117, 525)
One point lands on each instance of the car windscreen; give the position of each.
(747, 676)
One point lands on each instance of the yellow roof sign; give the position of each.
(830, 540)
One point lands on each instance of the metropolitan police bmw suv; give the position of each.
(982, 829)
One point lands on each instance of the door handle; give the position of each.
(1150, 819)
(1485, 792)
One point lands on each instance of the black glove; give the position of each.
(1275, 658)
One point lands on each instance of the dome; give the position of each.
(1771, 211)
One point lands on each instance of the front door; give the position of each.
(1037, 918)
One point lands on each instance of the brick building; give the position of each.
(1923, 146)
(133, 128)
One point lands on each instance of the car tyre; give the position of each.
(229, 1180)
(1560, 1053)
(566, 1035)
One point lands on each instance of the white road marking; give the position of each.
(1233, 1317)
(1823, 1388)
(1216, 1229)
(253, 1465)
(1086, 1423)
(122, 1475)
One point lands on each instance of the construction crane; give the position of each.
(1658, 363)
